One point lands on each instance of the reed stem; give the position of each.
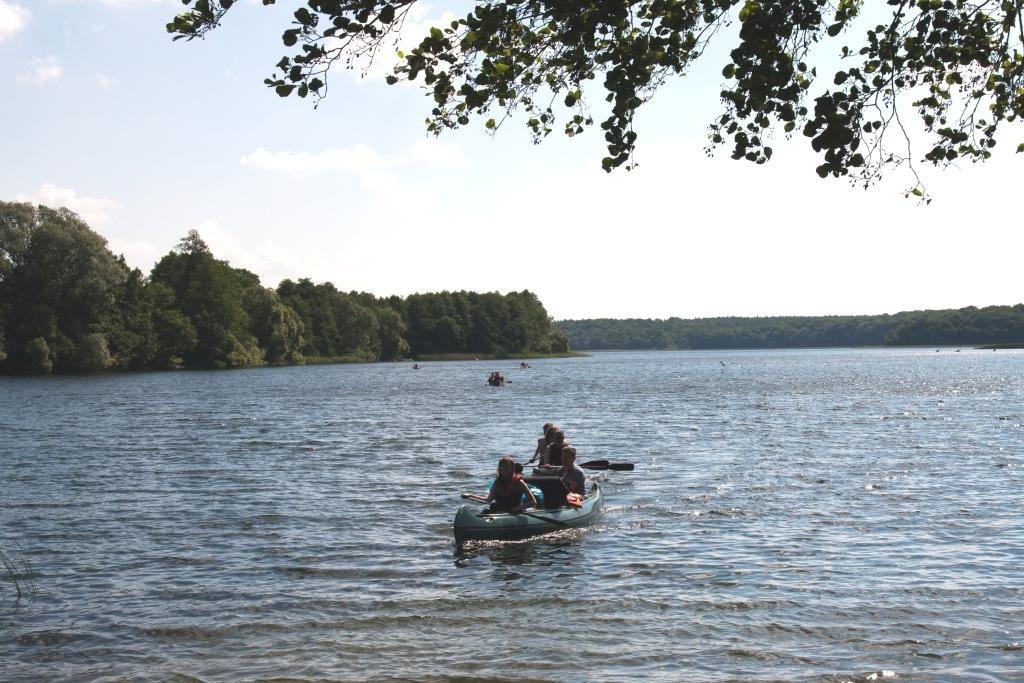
(23, 579)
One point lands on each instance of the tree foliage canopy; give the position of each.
(966, 326)
(957, 63)
(58, 285)
(69, 305)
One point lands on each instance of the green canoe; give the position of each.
(472, 525)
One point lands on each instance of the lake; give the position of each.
(800, 515)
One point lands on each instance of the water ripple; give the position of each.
(839, 515)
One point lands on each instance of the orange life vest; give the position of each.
(507, 495)
(509, 487)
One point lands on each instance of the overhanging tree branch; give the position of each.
(546, 57)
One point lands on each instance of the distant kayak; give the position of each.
(473, 525)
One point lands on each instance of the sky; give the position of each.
(147, 138)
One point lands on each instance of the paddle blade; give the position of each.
(605, 465)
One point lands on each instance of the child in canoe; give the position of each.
(506, 494)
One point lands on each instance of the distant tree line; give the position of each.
(67, 304)
(965, 326)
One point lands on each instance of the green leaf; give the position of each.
(491, 124)
(748, 8)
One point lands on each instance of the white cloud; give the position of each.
(358, 159)
(380, 182)
(105, 82)
(12, 19)
(122, 3)
(351, 159)
(433, 152)
(137, 254)
(266, 258)
(94, 210)
(720, 237)
(418, 23)
(42, 70)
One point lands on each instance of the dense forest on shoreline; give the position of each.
(992, 325)
(67, 304)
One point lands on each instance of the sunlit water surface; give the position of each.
(824, 515)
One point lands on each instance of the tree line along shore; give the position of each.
(991, 326)
(68, 304)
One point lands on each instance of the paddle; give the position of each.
(605, 465)
(482, 499)
(596, 464)
(544, 519)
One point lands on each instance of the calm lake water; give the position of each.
(812, 515)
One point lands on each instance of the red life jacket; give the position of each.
(506, 495)
(574, 500)
(510, 486)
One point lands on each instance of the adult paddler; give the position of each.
(556, 440)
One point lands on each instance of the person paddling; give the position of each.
(542, 443)
(573, 477)
(556, 439)
(506, 494)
